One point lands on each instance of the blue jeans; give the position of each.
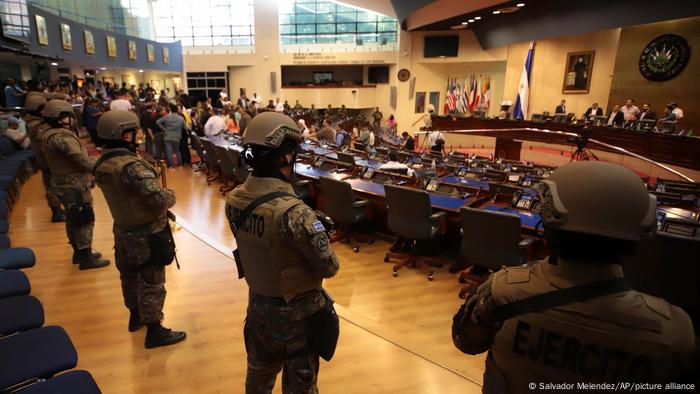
(170, 148)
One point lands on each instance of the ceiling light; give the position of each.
(54, 64)
(496, 12)
(477, 18)
(140, 71)
(471, 20)
(103, 68)
(520, 5)
(465, 23)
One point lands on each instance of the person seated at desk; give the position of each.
(326, 134)
(16, 131)
(408, 143)
(231, 122)
(669, 115)
(561, 108)
(616, 117)
(647, 113)
(439, 147)
(270, 105)
(215, 124)
(367, 137)
(393, 165)
(304, 130)
(676, 110)
(630, 123)
(592, 112)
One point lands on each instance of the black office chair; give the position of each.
(212, 160)
(226, 170)
(341, 206)
(412, 219)
(490, 240)
(199, 148)
(241, 170)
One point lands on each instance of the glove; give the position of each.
(326, 221)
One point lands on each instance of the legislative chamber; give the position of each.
(302, 196)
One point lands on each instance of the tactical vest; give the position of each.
(128, 208)
(35, 129)
(624, 337)
(272, 267)
(59, 164)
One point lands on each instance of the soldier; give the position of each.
(139, 207)
(298, 107)
(285, 254)
(342, 113)
(574, 318)
(71, 177)
(35, 129)
(377, 118)
(314, 114)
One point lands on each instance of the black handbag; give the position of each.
(324, 329)
(162, 246)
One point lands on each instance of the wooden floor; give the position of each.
(395, 332)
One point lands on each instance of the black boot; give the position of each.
(58, 215)
(94, 255)
(135, 322)
(85, 259)
(157, 335)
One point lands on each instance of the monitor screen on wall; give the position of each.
(441, 46)
(322, 77)
(378, 74)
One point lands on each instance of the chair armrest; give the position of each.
(360, 203)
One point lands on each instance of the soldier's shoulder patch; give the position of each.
(322, 242)
(143, 172)
(150, 185)
(318, 226)
(517, 275)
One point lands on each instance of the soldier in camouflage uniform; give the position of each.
(593, 213)
(285, 254)
(71, 177)
(377, 118)
(139, 206)
(35, 129)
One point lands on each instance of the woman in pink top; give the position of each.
(231, 124)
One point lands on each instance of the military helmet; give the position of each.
(56, 107)
(113, 123)
(598, 198)
(35, 102)
(269, 129)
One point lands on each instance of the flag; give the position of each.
(486, 100)
(447, 98)
(463, 96)
(472, 93)
(521, 102)
(477, 98)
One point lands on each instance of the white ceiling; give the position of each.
(445, 9)
(383, 7)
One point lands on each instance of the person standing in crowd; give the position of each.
(286, 106)
(231, 122)
(245, 119)
(184, 145)
(120, 102)
(326, 134)
(36, 126)
(342, 113)
(279, 107)
(576, 307)
(13, 98)
(139, 207)
(92, 114)
(342, 137)
(283, 263)
(434, 136)
(314, 113)
(172, 125)
(377, 118)
(71, 176)
(305, 133)
(408, 143)
(630, 112)
(298, 107)
(677, 110)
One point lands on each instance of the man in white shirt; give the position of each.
(434, 136)
(120, 103)
(16, 132)
(630, 111)
(256, 100)
(279, 106)
(215, 124)
(393, 165)
(677, 110)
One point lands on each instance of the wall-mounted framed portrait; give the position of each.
(42, 35)
(150, 53)
(111, 47)
(166, 56)
(89, 42)
(66, 39)
(577, 76)
(132, 50)
(420, 102)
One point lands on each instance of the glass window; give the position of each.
(319, 21)
(204, 22)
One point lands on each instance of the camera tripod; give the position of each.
(582, 154)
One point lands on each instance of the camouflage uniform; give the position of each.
(71, 187)
(35, 129)
(143, 284)
(276, 331)
(377, 119)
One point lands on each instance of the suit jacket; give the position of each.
(649, 115)
(619, 119)
(560, 109)
(588, 113)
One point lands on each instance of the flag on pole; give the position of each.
(463, 96)
(447, 98)
(486, 100)
(472, 91)
(521, 102)
(477, 98)
(458, 104)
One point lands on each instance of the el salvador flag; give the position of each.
(520, 110)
